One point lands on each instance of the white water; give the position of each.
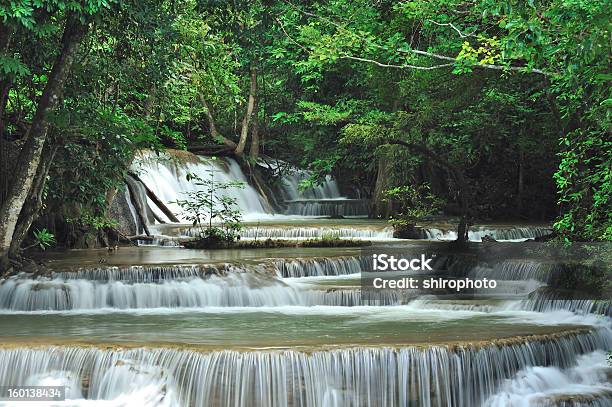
(317, 267)
(302, 232)
(290, 178)
(514, 373)
(125, 384)
(274, 282)
(165, 176)
(323, 199)
(503, 234)
(233, 290)
(535, 385)
(167, 179)
(517, 270)
(383, 377)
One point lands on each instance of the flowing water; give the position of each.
(166, 176)
(380, 376)
(268, 330)
(171, 327)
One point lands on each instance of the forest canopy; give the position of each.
(503, 107)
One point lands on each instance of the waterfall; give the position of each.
(140, 274)
(517, 270)
(323, 199)
(231, 290)
(550, 300)
(317, 267)
(287, 267)
(507, 233)
(165, 176)
(273, 282)
(301, 232)
(586, 383)
(542, 299)
(459, 375)
(341, 207)
(289, 179)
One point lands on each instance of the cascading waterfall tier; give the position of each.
(338, 207)
(586, 383)
(549, 300)
(323, 199)
(454, 375)
(475, 234)
(230, 290)
(544, 299)
(143, 274)
(302, 232)
(268, 283)
(165, 176)
(515, 270)
(317, 267)
(372, 231)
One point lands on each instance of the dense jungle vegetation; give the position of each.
(501, 106)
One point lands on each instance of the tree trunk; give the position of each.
(160, 204)
(140, 210)
(5, 85)
(457, 174)
(244, 131)
(520, 187)
(254, 150)
(29, 157)
(214, 133)
(32, 206)
(380, 208)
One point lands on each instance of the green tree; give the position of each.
(215, 214)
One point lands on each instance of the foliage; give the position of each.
(588, 278)
(513, 94)
(44, 238)
(96, 222)
(414, 204)
(207, 205)
(95, 158)
(557, 52)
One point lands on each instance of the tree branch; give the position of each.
(451, 25)
(409, 51)
(488, 66)
(405, 66)
(211, 123)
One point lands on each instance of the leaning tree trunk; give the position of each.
(6, 83)
(244, 131)
(32, 206)
(214, 133)
(138, 204)
(29, 157)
